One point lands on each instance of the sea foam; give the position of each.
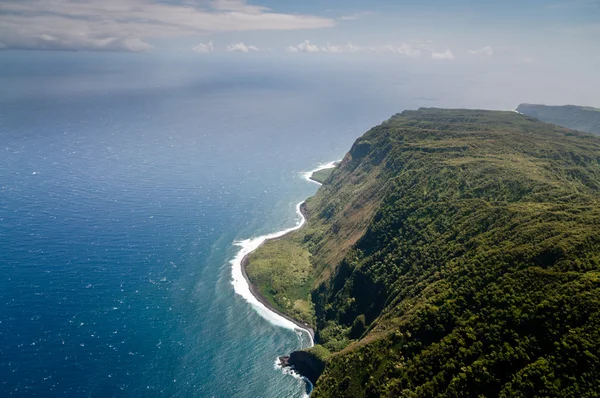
(307, 174)
(247, 246)
(241, 286)
(295, 375)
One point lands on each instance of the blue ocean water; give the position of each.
(124, 181)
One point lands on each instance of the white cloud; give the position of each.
(446, 55)
(409, 50)
(487, 50)
(404, 49)
(348, 48)
(305, 47)
(204, 47)
(413, 49)
(128, 25)
(241, 48)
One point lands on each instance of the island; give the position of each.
(450, 253)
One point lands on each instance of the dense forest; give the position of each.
(453, 253)
(582, 118)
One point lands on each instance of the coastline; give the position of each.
(262, 299)
(308, 175)
(242, 285)
(249, 291)
(245, 288)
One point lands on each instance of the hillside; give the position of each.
(580, 118)
(455, 253)
(321, 175)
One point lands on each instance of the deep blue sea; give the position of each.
(124, 182)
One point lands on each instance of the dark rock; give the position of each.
(306, 364)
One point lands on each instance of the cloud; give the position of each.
(348, 48)
(409, 50)
(129, 25)
(241, 48)
(412, 50)
(487, 50)
(446, 55)
(204, 47)
(404, 49)
(305, 47)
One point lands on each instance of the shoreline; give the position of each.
(308, 175)
(248, 291)
(262, 299)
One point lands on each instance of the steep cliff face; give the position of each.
(457, 253)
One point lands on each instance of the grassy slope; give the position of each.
(321, 175)
(457, 253)
(282, 272)
(574, 117)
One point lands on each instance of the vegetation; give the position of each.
(457, 253)
(282, 272)
(319, 352)
(582, 118)
(321, 175)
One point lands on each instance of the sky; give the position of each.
(556, 39)
(439, 30)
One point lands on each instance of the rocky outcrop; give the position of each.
(305, 363)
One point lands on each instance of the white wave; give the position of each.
(295, 375)
(515, 110)
(307, 174)
(241, 287)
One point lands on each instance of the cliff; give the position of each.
(309, 363)
(457, 253)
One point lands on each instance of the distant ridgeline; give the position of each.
(452, 253)
(580, 118)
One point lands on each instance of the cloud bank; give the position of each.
(129, 25)
(204, 47)
(241, 48)
(305, 47)
(446, 55)
(412, 49)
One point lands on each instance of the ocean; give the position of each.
(126, 185)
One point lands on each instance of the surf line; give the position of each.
(244, 288)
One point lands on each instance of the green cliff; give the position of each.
(456, 253)
(582, 118)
